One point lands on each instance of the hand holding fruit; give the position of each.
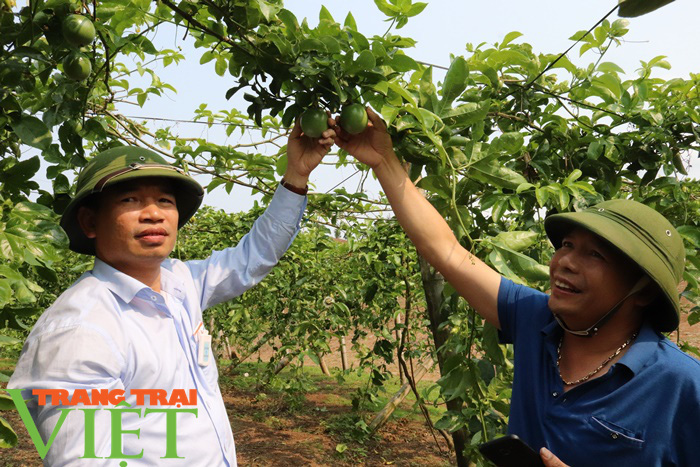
(370, 146)
(304, 152)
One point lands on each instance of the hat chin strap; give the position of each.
(593, 330)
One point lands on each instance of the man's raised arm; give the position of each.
(429, 232)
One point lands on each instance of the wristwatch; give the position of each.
(295, 189)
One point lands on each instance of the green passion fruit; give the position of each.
(353, 118)
(78, 30)
(77, 66)
(314, 122)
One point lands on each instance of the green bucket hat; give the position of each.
(644, 236)
(118, 165)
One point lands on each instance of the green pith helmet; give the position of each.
(118, 165)
(644, 236)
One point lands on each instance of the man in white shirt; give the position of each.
(134, 322)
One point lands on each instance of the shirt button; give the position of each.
(153, 297)
(555, 394)
(613, 435)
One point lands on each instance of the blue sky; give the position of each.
(443, 28)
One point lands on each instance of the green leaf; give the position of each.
(389, 113)
(359, 41)
(573, 176)
(289, 20)
(281, 166)
(436, 184)
(609, 82)
(416, 9)
(7, 340)
(206, 57)
(634, 8)
(403, 63)
(268, 10)
(595, 150)
(659, 62)
(523, 187)
(499, 263)
(523, 265)
(386, 8)
(467, 114)
(324, 14)
(5, 293)
(292, 112)
(455, 83)
(32, 131)
(6, 402)
(508, 143)
(8, 437)
(449, 422)
(22, 171)
(350, 21)
(94, 129)
(511, 36)
(221, 66)
(456, 383)
(516, 240)
(492, 173)
(691, 234)
(401, 91)
(609, 67)
(331, 43)
(310, 44)
(364, 61)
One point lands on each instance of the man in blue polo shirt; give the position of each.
(595, 380)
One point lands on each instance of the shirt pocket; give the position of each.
(616, 434)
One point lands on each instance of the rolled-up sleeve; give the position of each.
(228, 273)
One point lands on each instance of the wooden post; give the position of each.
(284, 361)
(343, 353)
(383, 415)
(322, 364)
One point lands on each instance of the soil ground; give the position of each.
(315, 428)
(272, 427)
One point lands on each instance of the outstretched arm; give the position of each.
(228, 273)
(433, 238)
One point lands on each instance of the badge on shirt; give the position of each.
(203, 345)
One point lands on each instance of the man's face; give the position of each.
(588, 277)
(135, 225)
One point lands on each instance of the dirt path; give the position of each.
(269, 432)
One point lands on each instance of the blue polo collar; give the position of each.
(635, 358)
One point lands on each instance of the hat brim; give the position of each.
(558, 225)
(188, 193)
